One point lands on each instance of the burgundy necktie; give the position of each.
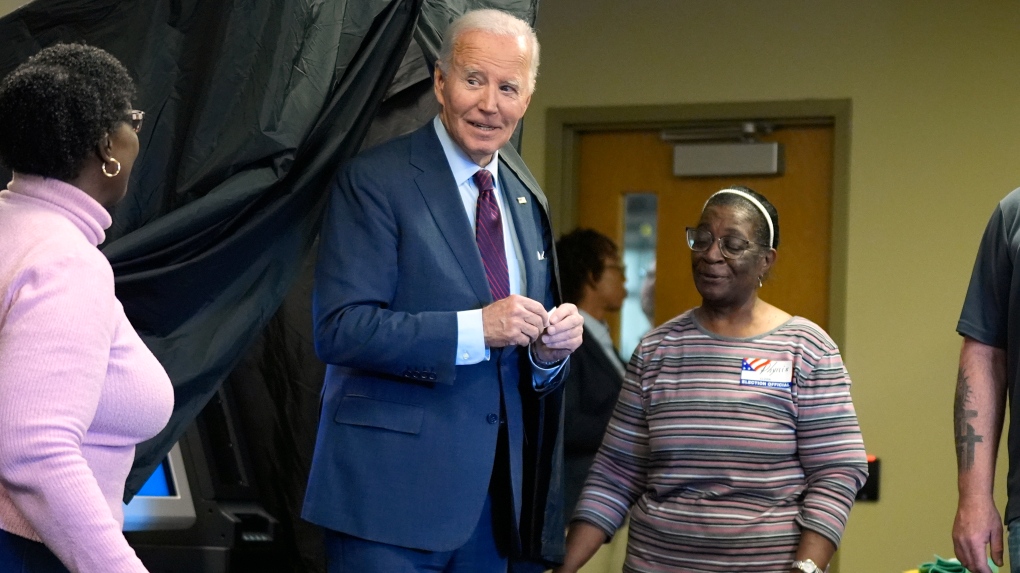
(489, 234)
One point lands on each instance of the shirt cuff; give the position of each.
(470, 338)
(541, 376)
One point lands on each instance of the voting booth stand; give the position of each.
(198, 512)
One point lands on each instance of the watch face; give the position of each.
(807, 566)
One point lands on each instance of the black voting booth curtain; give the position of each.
(250, 107)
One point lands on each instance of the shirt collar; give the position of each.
(598, 327)
(461, 165)
(599, 332)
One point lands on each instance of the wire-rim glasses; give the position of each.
(700, 240)
(134, 119)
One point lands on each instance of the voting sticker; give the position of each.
(767, 373)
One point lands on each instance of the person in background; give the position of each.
(648, 294)
(435, 310)
(734, 444)
(78, 387)
(593, 279)
(988, 374)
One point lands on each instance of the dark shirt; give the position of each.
(991, 315)
(590, 393)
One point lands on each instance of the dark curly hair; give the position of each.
(582, 255)
(761, 226)
(56, 107)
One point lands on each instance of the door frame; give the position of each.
(564, 125)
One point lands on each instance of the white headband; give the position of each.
(754, 201)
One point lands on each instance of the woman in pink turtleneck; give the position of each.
(78, 388)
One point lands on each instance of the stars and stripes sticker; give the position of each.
(753, 364)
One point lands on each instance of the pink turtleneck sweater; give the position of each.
(78, 388)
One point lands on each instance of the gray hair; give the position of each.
(757, 206)
(494, 22)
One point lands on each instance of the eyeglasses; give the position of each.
(135, 117)
(617, 266)
(700, 240)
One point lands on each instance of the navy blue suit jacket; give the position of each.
(407, 439)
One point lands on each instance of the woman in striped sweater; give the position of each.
(734, 445)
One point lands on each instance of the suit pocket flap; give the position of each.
(364, 411)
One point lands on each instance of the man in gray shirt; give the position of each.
(990, 326)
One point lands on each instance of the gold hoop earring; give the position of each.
(115, 173)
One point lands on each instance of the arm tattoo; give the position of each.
(966, 439)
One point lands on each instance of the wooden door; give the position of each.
(613, 164)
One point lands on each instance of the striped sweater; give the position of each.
(722, 465)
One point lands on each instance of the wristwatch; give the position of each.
(805, 565)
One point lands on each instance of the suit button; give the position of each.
(492, 418)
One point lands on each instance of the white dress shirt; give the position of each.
(599, 331)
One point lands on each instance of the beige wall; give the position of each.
(934, 144)
(8, 6)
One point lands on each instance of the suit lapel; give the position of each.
(525, 226)
(439, 190)
(510, 158)
(538, 223)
